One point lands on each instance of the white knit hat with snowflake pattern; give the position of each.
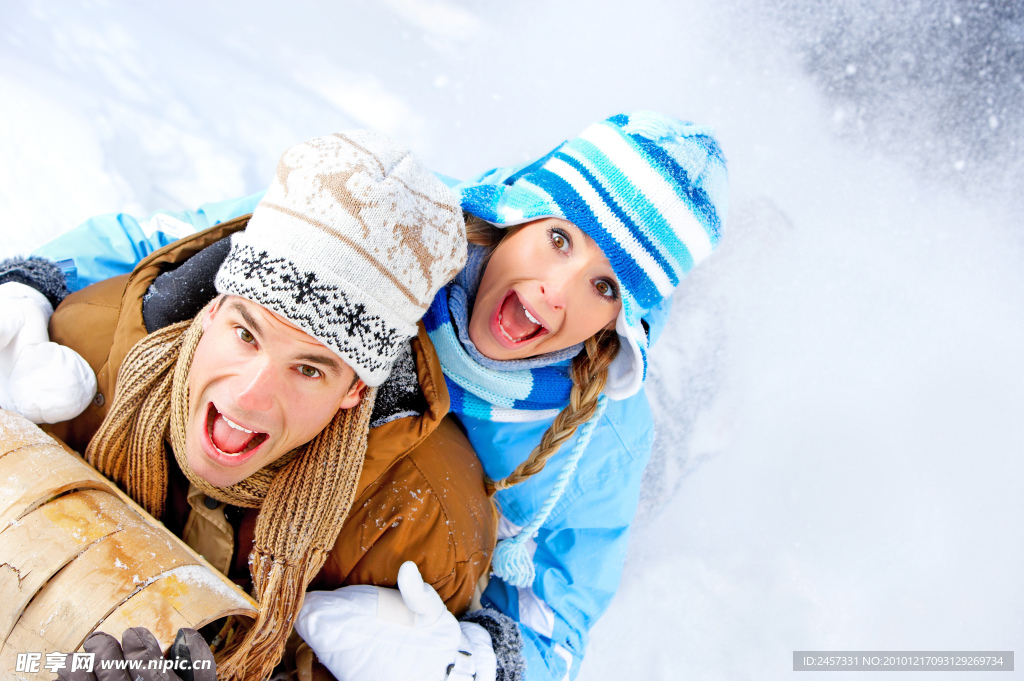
(350, 244)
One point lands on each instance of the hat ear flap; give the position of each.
(627, 371)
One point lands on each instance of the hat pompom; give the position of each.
(512, 562)
(656, 127)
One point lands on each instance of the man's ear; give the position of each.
(355, 393)
(211, 312)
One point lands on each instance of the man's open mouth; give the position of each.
(515, 322)
(228, 437)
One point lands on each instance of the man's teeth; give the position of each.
(235, 425)
(530, 316)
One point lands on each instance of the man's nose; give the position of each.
(255, 387)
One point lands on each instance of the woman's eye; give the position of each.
(559, 239)
(244, 335)
(605, 288)
(309, 372)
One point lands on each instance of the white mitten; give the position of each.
(368, 633)
(42, 381)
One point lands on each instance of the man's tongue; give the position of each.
(514, 320)
(229, 440)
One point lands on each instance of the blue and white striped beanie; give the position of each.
(652, 191)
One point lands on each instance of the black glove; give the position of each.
(189, 658)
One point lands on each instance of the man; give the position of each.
(246, 427)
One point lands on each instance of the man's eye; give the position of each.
(245, 336)
(309, 372)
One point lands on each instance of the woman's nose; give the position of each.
(554, 295)
(255, 387)
(556, 286)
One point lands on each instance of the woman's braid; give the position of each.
(589, 373)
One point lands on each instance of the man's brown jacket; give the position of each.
(420, 496)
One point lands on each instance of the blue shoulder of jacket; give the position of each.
(110, 245)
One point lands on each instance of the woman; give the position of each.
(543, 340)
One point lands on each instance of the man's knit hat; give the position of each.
(651, 191)
(350, 244)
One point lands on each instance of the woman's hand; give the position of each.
(363, 633)
(138, 658)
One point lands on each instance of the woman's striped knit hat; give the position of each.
(652, 191)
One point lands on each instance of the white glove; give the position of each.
(42, 381)
(368, 633)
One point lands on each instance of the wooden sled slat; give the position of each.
(90, 587)
(35, 474)
(34, 644)
(40, 544)
(17, 432)
(77, 554)
(183, 597)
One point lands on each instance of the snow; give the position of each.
(201, 577)
(15, 428)
(839, 393)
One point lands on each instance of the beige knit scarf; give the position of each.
(303, 498)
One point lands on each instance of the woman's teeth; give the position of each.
(515, 322)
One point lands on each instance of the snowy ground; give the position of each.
(840, 394)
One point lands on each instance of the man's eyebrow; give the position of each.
(328, 361)
(248, 318)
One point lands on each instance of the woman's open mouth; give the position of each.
(235, 443)
(513, 324)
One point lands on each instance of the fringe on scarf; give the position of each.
(303, 499)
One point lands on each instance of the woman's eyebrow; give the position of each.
(586, 237)
(247, 318)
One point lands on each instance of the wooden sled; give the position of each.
(77, 555)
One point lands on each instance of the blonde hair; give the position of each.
(589, 373)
